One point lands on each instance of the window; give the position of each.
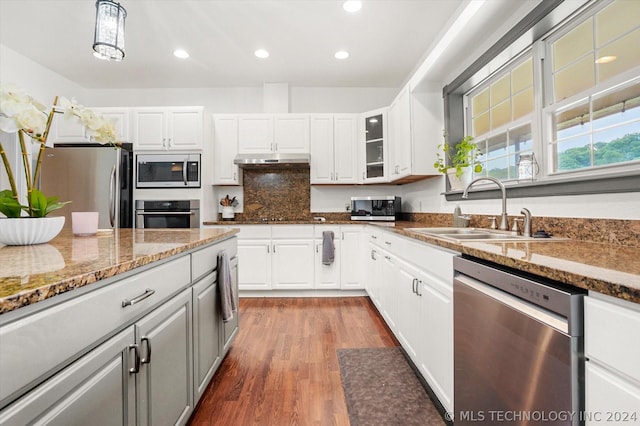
(571, 98)
(593, 116)
(501, 111)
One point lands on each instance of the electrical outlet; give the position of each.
(347, 207)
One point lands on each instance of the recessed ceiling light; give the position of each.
(180, 53)
(352, 6)
(261, 53)
(606, 59)
(341, 54)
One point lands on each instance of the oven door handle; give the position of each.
(165, 213)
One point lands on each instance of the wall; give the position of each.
(43, 85)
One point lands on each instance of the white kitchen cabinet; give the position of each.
(334, 148)
(327, 276)
(293, 264)
(269, 133)
(375, 146)
(70, 130)
(400, 152)
(352, 257)
(164, 383)
(411, 284)
(612, 350)
(408, 298)
(225, 149)
(173, 128)
(255, 258)
(98, 389)
(435, 334)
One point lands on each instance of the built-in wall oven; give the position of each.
(167, 214)
(518, 347)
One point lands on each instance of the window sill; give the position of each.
(551, 188)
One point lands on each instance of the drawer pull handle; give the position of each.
(136, 368)
(147, 293)
(147, 359)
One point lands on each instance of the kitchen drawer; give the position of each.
(41, 343)
(254, 231)
(319, 229)
(393, 243)
(374, 234)
(436, 261)
(292, 231)
(205, 260)
(612, 334)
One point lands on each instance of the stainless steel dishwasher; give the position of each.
(518, 347)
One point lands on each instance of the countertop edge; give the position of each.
(47, 291)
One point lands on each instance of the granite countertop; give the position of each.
(33, 273)
(30, 274)
(605, 268)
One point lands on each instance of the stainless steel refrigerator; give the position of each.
(94, 178)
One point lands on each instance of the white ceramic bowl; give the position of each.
(24, 231)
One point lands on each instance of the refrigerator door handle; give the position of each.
(184, 172)
(112, 196)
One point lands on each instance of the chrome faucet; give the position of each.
(504, 223)
(526, 227)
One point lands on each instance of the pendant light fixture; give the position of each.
(108, 40)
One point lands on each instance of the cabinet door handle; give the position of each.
(373, 255)
(164, 142)
(268, 248)
(336, 179)
(413, 286)
(388, 243)
(418, 282)
(136, 368)
(274, 248)
(147, 293)
(317, 245)
(145, 341)
(388, 257)
(235, 176)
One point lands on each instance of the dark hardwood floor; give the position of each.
(283, 369)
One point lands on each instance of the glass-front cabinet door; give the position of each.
(375, 146)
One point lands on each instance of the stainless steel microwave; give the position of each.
(376, 208)
(168, 171)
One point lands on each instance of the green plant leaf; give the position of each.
(8, 205)
(38, 203)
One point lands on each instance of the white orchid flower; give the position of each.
(70, 108)
(32, 121)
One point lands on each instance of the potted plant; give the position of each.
(458, 162)
(22, 114)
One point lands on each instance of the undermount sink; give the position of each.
(474, 234)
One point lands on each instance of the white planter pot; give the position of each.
(228, 213)
(460, 183)
(23, 231)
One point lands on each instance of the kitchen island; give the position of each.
(81, 315)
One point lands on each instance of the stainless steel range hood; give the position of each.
(272, 159)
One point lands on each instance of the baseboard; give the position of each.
(302, 293)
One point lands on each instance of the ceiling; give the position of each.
(386, 40)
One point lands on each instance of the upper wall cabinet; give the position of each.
(266, 133)
(400, 152)
(375, 146)
(334, 148)
(414, 134)
(168, 128)
(70, 130)
(225, 148)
